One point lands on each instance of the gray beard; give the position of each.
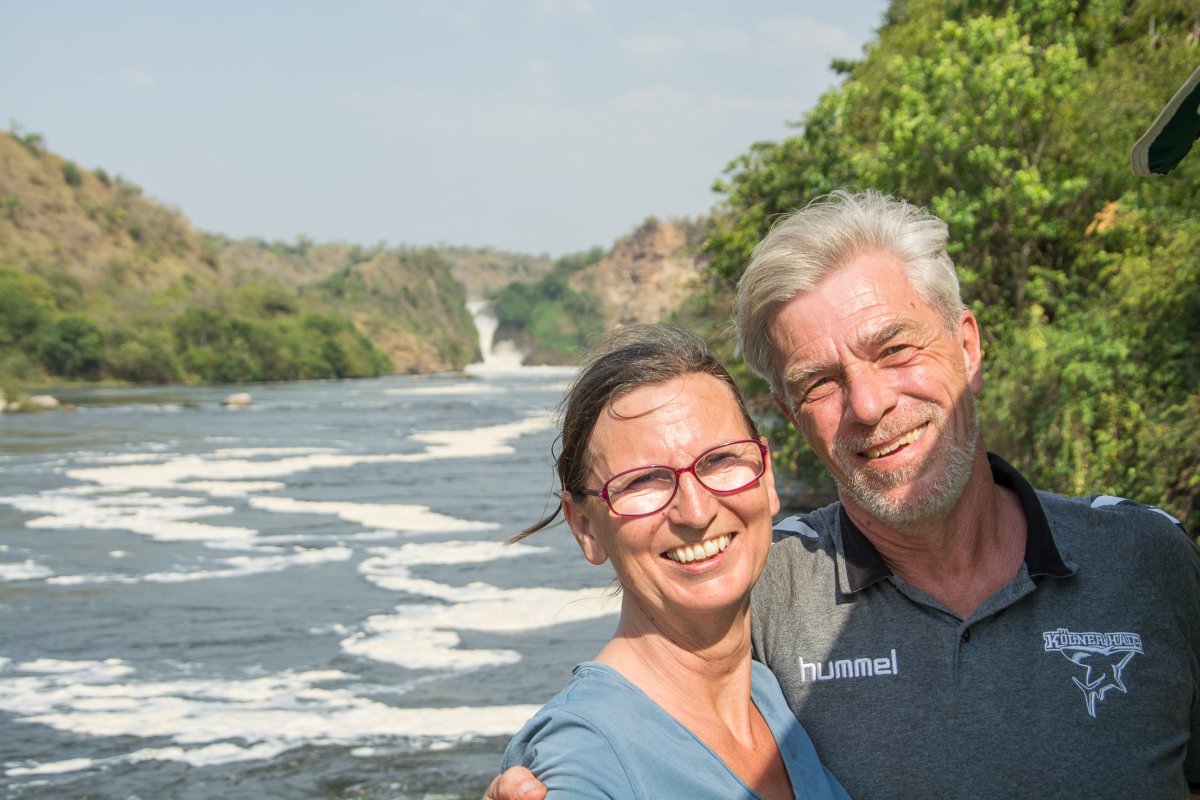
(938, 501)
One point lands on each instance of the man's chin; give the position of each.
(904, 504)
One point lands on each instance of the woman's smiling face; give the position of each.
(703, 552)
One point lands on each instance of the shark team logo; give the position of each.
(1103, 657)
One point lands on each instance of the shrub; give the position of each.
(72, 174)
(72, 347)
(25, 306)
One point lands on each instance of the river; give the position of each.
(306, 598)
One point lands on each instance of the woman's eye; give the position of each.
(713, 459)
(643, 481)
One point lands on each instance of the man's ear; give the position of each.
(581, 526)
(972, 351)
(769, 478)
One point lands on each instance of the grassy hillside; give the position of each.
(99, 282)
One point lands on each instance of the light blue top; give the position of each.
(602, 737)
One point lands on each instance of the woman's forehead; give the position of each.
(689, 413)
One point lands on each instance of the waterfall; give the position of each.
(502, 355)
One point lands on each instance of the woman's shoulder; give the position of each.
(593, 689)
(592, 715)
(593, 705)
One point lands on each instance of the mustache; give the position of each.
(849, 446)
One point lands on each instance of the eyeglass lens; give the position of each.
(725, 468)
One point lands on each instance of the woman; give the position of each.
(663, 474)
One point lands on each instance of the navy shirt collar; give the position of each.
(864, 565)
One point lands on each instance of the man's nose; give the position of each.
(870, 396)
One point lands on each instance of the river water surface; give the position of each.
(305, 598)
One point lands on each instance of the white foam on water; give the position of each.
(160, 518)
(84, 671)
(211, 755)
(424, 635)
(52, 768)
(212, 721)
(394, 517)
(167, 519)
(116, 498)
(477, 442)
(227, 465)
(27, 570)
(232, 488)
(444, 553)
(251, 452)
(239, 567)
(177, 469)
(302, 538)
(448, 389)
(115, 458)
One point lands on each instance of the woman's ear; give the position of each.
(581, 526)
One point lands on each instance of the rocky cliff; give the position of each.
(647, 274)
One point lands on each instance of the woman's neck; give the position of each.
(685, 666)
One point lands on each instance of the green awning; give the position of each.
(1169, 139)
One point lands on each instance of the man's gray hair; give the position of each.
(807, 245)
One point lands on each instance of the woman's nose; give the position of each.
(693, 505)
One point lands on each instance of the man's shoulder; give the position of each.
(1109, 512)
(1111, 527)
(803, 546)
(809, 528)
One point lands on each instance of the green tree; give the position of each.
(72, 347)
(26, 306)
(1013, 122)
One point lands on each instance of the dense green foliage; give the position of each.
(256, 333)
(550, 321)
(1014, 123)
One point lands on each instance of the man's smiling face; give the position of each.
(882, 389)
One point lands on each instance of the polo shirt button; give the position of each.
(966, 636)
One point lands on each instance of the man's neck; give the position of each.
(961, 557)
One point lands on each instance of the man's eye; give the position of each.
(898, 350)
(817, 389)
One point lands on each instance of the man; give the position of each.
(944, 630)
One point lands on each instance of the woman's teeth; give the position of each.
(700, 551)
(892, 447)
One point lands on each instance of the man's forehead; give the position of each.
(861, 320)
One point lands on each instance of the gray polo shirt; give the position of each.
(1080, 677)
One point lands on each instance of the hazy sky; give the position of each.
(533, 125)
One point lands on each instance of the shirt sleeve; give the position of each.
(571, 756)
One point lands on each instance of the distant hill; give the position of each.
(647, 276)
(99, 282)
(484, 271)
